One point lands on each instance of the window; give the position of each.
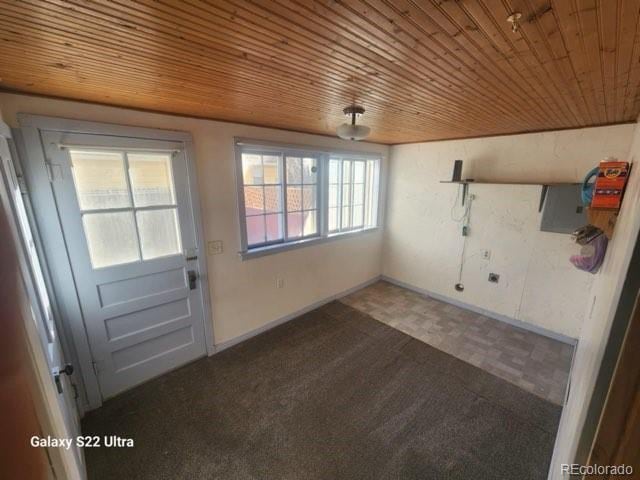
(294, 196)
(352, 195)
(126, 199)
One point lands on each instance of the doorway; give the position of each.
(125, 205)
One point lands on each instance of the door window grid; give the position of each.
(124, 225)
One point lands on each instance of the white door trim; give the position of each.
(37, 174)
(63, 462)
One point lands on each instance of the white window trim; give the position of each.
(323, 155)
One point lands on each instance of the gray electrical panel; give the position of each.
(563, 211)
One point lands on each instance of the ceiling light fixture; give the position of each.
(351, 131)
(514, 19)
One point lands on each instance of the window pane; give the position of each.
(334, 166)
(273, 199)
(310, 223)
(252, 172)
(346, 171)
(346, 195)
(253, 200)
(294, 170)
(309, 197)
(309, 170)
(358, 216)
(358, 194)
(294, 199)
(111, 238)
(333, 219)
(358, 172)
(333, 195)
(255, 230)
(151, 179)
(274, 227)
(100, 179)
(346, 217)
(159, 233)
(271, 169)
(294, 224)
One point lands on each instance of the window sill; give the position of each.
(283, 247)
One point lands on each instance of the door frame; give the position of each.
(49, 411)
(39, 173)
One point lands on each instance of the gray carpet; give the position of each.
(333, 394)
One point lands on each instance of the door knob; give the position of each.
(193, 277)
(67, 370)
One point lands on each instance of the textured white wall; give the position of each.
(243, 293)
(603, 301)
(423, 245)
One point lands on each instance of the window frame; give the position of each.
(323, 156)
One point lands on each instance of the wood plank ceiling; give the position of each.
(424, 70)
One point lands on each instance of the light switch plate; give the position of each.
(214, 247)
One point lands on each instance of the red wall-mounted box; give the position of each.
(609, 187)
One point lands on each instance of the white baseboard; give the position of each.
(279, 321)
(487, 313)
(496, 316)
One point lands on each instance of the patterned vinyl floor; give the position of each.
(533, 362)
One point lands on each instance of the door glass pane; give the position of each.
(255, 230)
(151, 179)
(294, 224)
(159, 233)
(111, 238)
(253, 200)
(274, 227)
(100, 179)
(310, 224)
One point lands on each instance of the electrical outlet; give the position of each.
(494, 277)
(279, 282)
(214, 247)
(486, 254)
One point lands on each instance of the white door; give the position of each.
(32, 274)
(125, 210)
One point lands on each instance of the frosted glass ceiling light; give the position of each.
(351, 131)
